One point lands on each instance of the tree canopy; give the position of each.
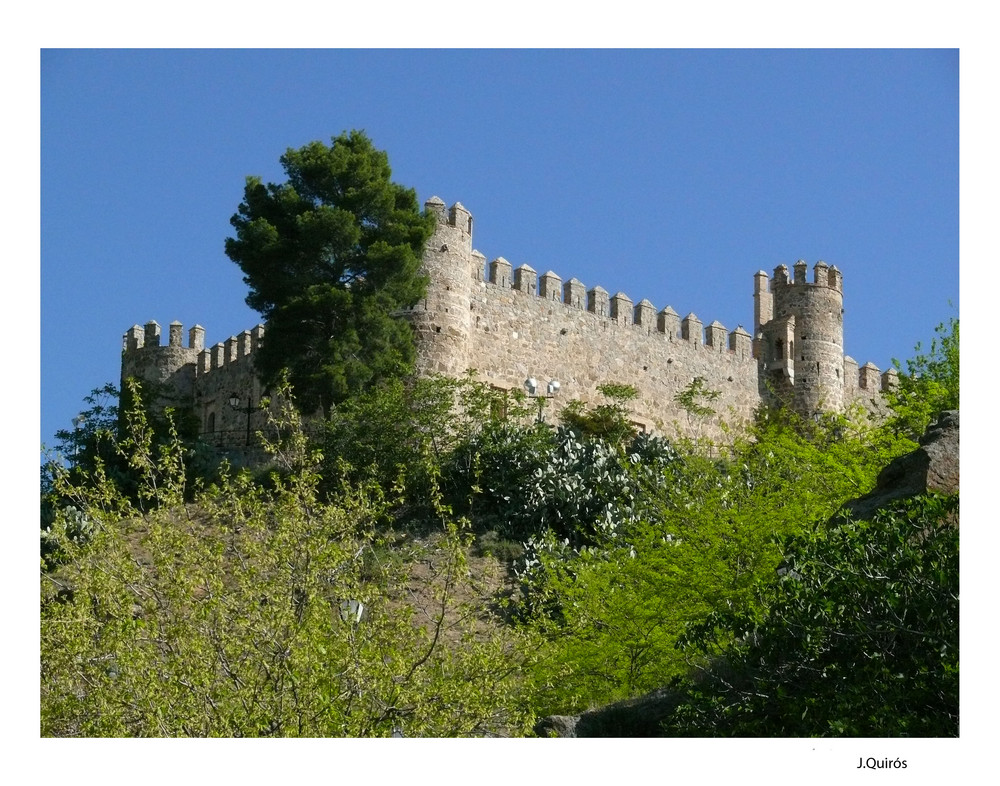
(330, 256)
(930, 382)
(860, 637)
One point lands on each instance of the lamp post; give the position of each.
(234, 402)
(531, 385)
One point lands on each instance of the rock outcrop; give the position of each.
(931, 467)
(638, 717)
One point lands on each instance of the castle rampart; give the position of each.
(199, 379)
(510, 324)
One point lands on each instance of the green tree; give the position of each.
(97, 448)
(94, 429)
(929, 384)
(233, 616)
(330, 256)
(610, 421)
(671, 536)
(692, 398)
(860, 636)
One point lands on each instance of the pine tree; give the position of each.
(330, 257)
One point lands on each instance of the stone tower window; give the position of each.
(211, 422)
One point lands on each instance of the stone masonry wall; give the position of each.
(224, 371)
(516, 335)
(200, 379)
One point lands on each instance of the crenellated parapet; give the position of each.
(867, 379)
(145, 358)
(618, 308)
(169, 369)
(234, 349)
(510, 323)
(198, 379)
(137, 337)
(484, 315)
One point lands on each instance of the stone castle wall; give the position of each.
(517, 334)
(199, 378)
(510, 324)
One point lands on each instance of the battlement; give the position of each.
(220, 355)
(457, 216)
(618, 308)
(230, 351)
(823, 276)
(868, 378)
(137, 337)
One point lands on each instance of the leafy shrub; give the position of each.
(929, 384)
(234, 605)
(860, 636)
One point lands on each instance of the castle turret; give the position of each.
(167, 371)
(802, 343)
(443, 320)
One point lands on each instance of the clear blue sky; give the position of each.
(672, 175)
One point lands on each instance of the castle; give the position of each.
(517, 329)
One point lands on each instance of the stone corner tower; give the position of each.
(170, 369)
(799, 327)
(442, 321)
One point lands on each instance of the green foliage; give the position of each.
(94, 430)
(587, 491)
(693, 398)
(411, 434)
(859, 638)
(377, 434)
(930, 383)
(224, 618)
(495, 466)
(631, 547)
(101, 446)
(330, 256)
(609, 422)
(634, 559)
(91, 443)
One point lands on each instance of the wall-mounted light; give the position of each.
(531, 385)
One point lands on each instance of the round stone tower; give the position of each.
(167, 371)
(804, 339)
(443, 320)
